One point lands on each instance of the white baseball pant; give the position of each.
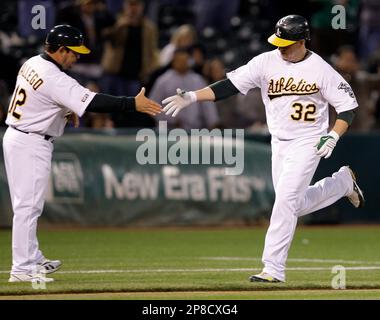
(294, 163)
(27, 163)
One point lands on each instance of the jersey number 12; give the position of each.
(18, 100)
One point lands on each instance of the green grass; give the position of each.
(198, 264)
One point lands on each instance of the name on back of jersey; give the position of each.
(286, 87)
(31, 76)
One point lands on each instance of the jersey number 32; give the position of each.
(305, 113)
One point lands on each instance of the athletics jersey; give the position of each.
(44, 96)
(295, 95)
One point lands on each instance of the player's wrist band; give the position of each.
(193, 96)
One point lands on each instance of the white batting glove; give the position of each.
(326, 144)
(175, 104)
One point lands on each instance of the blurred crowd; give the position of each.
(166, 44)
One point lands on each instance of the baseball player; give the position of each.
(43, 97)
(296, 87)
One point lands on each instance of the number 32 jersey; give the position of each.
(44, 96)
(296, 95)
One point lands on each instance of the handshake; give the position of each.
(175, 104)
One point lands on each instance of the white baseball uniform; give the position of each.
(37, 113)
(296, 98)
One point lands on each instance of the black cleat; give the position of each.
(357, 196)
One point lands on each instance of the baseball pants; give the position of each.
(27, 163)
(294, 163)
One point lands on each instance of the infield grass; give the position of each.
(198, 264)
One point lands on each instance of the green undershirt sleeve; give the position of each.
(223, 89)
(347, 116)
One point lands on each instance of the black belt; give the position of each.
(46, 136)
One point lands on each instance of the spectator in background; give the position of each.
(198, 115)
(184, 36)
(100, 121)
(369, 34)
(155, 8)
(92, 17)
(114, 6)
(373, 87)
(130, 56)
(198, 58)
(215, 13)
(229, 117)
(347, 64)
(237, 111)
(252, 108)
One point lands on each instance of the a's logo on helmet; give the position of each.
(278, 33)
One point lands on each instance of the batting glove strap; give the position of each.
(175, 104)
(326, 144)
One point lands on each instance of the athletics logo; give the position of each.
(290, 87)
